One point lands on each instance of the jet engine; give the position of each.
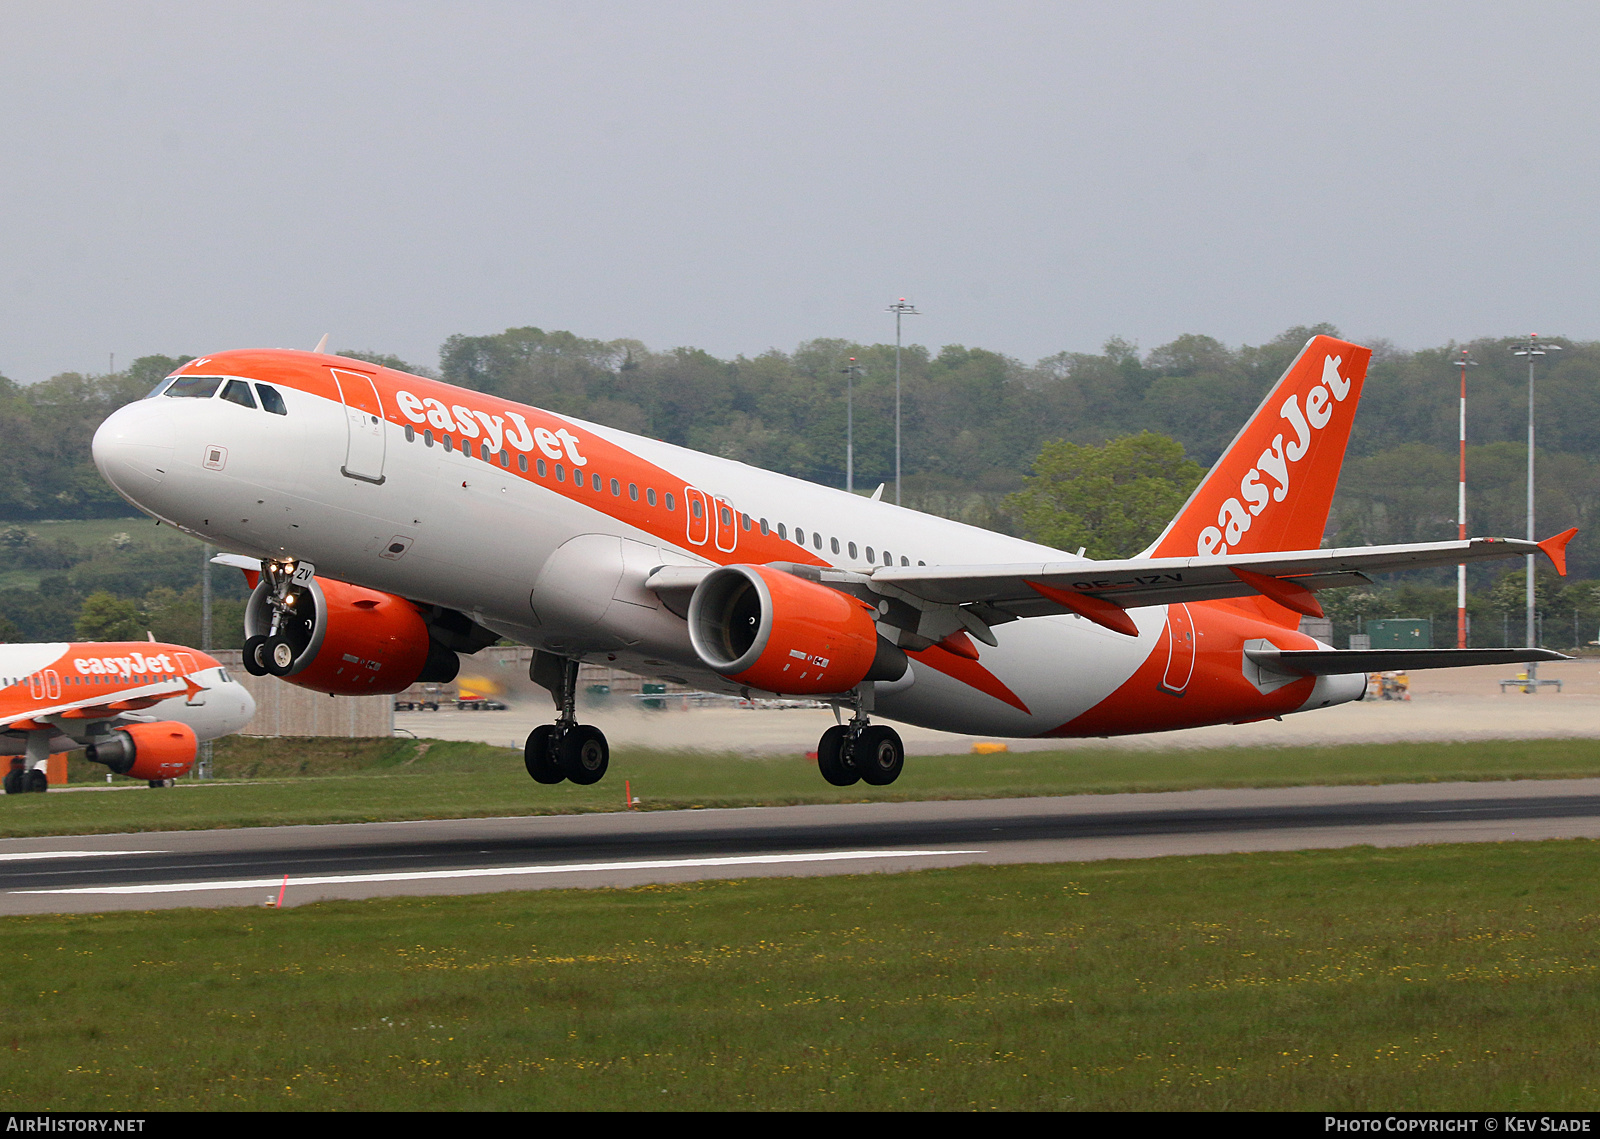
(767, 629)
(163, 750)
(342, 639)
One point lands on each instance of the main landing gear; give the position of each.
(566, 749)
(870, 753)
(20, 779)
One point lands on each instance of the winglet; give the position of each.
(1103, 613)
(1289, 594)
(1555, 549)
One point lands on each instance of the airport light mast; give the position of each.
(1532, 348)
(900, 309)
(851, 372)
(1465, 362)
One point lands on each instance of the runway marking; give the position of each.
(502, 871)
(19, 856)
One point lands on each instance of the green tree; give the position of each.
(1113, 500)
(108, 618)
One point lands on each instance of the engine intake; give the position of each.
(344, 640)
(163, 750)
(768, 629)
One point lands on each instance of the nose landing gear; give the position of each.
(566, 749)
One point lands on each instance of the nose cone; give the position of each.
(133, 448)
(240, 708)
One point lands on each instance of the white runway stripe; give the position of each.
(19, 856)
(501, 872)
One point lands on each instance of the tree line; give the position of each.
(976, 423)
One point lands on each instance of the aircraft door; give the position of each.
(695, 504)
(364, 423)
(45, 685)
(727, 526)
(1180, 649)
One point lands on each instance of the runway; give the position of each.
(458, 856)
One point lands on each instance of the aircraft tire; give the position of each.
(255, 656)
(879, 755)
(835, 766)
(585, 755)
(36, 781)
(539, 756)
(278, 656)
(13, 781)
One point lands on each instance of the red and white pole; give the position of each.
(1461, 509)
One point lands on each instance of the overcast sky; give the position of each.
(1036, 177)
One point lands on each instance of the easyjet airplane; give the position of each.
(141, 708)
(391, 522)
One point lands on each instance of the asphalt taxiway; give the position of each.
(246, 867)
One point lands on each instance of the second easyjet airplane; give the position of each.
(392, 522)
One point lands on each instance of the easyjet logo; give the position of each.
(124, 666)
(1268, 480)
(510, 430)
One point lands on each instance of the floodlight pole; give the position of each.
(1532, 348)
(1464, 363)
(851, 372)
(900, 309)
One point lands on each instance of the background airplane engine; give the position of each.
(163, 750)
(771, 630)
(344, 640)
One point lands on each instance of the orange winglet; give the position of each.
(1555, 549)
(1289, 594)
(1104, 613)
(135, 703)
(959, 644)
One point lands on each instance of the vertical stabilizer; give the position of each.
(1273, 486)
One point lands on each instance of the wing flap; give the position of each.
(1338, 662)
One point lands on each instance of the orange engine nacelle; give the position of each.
(767, 629)
(163, 750)
(344, 640)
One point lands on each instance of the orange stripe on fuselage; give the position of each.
(970, 673)
(1217, 691)
(311, 373)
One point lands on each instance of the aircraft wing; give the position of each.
(1101, 591)
(1335, 662)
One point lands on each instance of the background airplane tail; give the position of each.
(1272, 488)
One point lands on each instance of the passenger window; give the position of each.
(816, 539)
(650, 496)
(411, 434)
(764, 529)
(483, 451)
(633, 491)
(505, 459)
(834, 543)
(904, 560)
(853, 554)
(561, 473)
(599, 483)
(446, 441)
(194, 387)
(427, 437)
(783, 532)
(237, 391)
(725, 515)
(745, 520)
(522, 463)
(888, 558)
(670, 505)
(541, 468)
(799, 535)
(870, 556)
(695, 508)
(271, 400)
(616, 489)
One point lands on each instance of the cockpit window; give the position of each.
(237, 391)
(271, 400)
(160, 384)
(194, 387)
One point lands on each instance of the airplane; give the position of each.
(388, 523)
(139, 707)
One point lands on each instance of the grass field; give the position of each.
(93, 533)
(1432, 978)
(277, 782)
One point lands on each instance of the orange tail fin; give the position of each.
(1273, 486)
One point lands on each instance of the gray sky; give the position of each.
(189, 177)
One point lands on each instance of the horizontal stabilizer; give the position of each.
(1337, 662)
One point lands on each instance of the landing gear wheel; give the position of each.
(13, 781)
(832, 758)
(539, 755)
(36, 781)
(279, 656)
(879, 755)
(255, 656)
(584, 754)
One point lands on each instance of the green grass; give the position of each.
(323, 781)
(1434, 978)
(91, 534)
